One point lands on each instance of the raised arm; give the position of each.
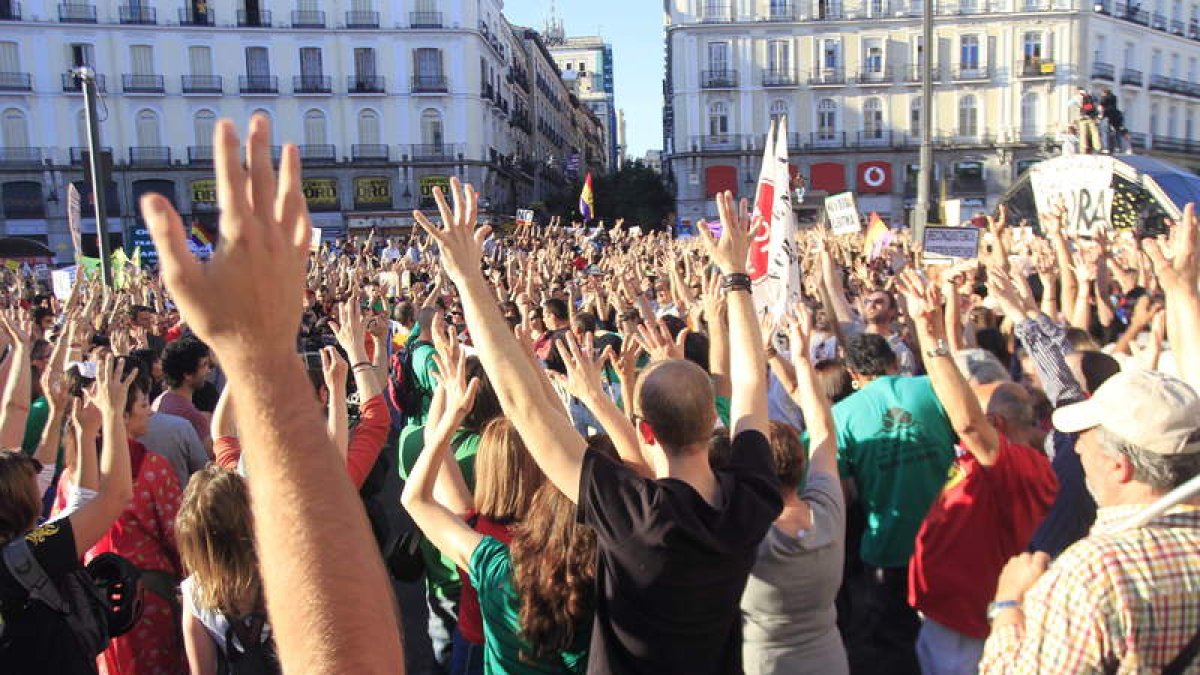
(748, 363)
(337, 415)
(977, 434)
(310, 527)
(1177, 264)
(551, 439)
(818, 417)
(14, 408)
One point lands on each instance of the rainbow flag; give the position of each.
(587, 203)
(879, 236)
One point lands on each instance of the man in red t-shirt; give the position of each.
(998, 491)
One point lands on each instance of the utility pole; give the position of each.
(97, 167)
(920, 215)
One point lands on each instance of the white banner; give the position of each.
(61, 282)
(773, 265)
(1083, 184)
(73, 219)
(952, 209)
(842, 213)
(944, 245)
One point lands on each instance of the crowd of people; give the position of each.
(597, 453)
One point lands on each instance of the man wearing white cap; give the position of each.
(1122, 599)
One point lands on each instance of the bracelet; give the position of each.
(736, 281)
(994, 608)
(361, 364)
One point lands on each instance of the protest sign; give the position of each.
(524, 216)
(1082, 184)
(315, 239)
(842, 213)
(943, 245)
(61, 282)
(952, 209)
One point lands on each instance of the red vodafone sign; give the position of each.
(874, 177)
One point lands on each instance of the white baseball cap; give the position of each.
(1155, 412)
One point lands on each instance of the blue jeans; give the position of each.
(467, 658)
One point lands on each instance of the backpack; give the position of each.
(398, 538)
(404, 394)
(97, 602)
(257, 656)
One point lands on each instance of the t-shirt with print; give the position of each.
(671, 567)
(983, 517)
(441, 574)
(895, 441)
(33, 632)
(504, 651)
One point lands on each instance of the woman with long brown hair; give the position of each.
(535, 595)
(223, 609)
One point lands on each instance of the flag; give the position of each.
(774, 270)
(879, 236)
(587, 203)
(74, 204)
(200, 235)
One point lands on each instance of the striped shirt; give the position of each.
(1125, 602)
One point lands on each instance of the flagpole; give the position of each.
(920, 215)
(87, 80)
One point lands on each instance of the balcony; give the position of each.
(424, 19)
(717, 12)
(1160, 83)
(827, 139)
(721, 142)
(874, 138)
(1034, 68)
(142, 84)
(364, 84)
(77, 13)
(258, 84)
(16, 82)
(312, 84)
(188, 17)
(781, 11)
(150, 155)
(913, 74)
(874, 76)
(1131, 12)
(138, 15)
(200, 154)
(829, 11)
(77, 154)
(302, 18)
(430, 84)
(320, 152)
(20, 157)
(1191, 90)
(71, 84)
(1132, 76)
(1103, 71)
(360, 152)
(779, 78)
(1158, 21)
(718, 79)
(1177, 27)
(361, 19)
(202, 84)
(827, 77)
(258, 19)
(971, 73)
(436, 152)
(11, 13)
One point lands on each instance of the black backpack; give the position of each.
(403, 391)
(398, 538)
(97, 602)
(256, 656)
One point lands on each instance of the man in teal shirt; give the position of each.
(895, 445)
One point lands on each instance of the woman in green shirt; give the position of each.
(536, 595)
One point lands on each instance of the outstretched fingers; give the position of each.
(176, 263)
(262, 187)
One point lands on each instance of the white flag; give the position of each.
(774, 269)
(73, 218)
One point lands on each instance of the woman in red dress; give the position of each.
(145, 535)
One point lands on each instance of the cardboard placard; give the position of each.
(315, 241)
(952, 209)
(61, 281)
(842, 213)
(944, 245)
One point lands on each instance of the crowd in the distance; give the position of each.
(616, 462)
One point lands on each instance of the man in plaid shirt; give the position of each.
(1121, 600)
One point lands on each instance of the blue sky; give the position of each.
(634, 28)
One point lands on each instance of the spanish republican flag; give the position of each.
(879, 237)
(587, 204)
(199, 235)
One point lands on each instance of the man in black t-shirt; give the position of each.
(675, 551)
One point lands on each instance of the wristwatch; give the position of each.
(940, 348)
(994, 608)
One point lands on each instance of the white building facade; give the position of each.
(847, 75)
(385, 99)
(586, 64)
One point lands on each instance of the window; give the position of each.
(141, 59)
(779, 110)
(968, 117)
(1189, 127)
(827, 120)
(1172, 121)
(257, 62)
(1030, 124)
(1032, 47)
(203, 124)
(914, 117)
(829, 9)
(314, 128)
(831, 53)
(426, 6)
(968, 52)
(368, 128)
(1156, 63)
(1130, 55)
(364, 66)
(429, 65)
(876, 8)
(873, 56)
(1101, 52)
(82, 54)
(311, 68)
(431, 128)
(779, 57)
(200, 61)
(14, 131)
(873, 119)
(81, 127)
(147, 131)
(1175, 65)
(967, 6)
(308, 5)
(582, 68)
(10, 58)
(718, 120)
(1153, 120)
(718, 57)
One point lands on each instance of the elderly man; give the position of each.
(1122, 599)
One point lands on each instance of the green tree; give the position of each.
(636, 193)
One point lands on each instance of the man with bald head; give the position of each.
(998, 491)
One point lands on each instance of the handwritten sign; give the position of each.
(62, 281)
(943, 245)
(842, 213)
(1082, 184)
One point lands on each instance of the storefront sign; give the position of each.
(321, 193)
(204, 194)
(427, 185)
(372, 191)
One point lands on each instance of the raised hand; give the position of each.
(799, 326)
(656, 340)
(349, 329)
(458, 394)
(111, 390)
(730, 252)
(333, 368)
(243, 301)
(1177, 261)
(584, 379)
(924, 300)
(461, 245)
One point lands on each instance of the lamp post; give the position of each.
(97, 167)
